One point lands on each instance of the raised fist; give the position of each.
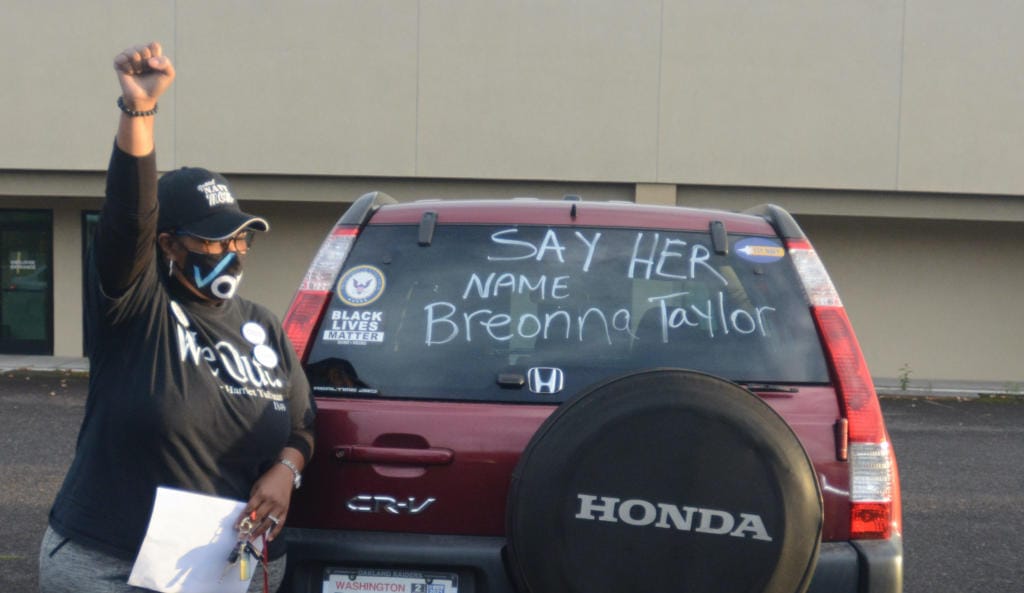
(144, 73)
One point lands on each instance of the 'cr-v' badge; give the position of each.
(369, 503)
(545, 380)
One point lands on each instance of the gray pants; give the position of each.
(66, 567)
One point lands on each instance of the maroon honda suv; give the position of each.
(579, 397)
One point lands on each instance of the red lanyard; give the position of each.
(266, 566)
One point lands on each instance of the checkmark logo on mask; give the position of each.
(202, 281)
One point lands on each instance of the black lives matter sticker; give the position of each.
(355, 327)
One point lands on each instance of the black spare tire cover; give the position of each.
(664, 480)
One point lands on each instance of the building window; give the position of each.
(26, 282)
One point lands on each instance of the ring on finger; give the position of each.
(273, 520)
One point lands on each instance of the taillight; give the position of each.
(853, 380)
(874, 484)
(310, 302)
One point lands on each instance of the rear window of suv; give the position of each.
(468, 316)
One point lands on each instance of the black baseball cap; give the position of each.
(199, 202)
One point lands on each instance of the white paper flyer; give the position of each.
(187, 545)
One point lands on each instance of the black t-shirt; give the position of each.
(181, 393)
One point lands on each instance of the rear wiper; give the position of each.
(768, 387)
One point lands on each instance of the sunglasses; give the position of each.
(238, 243)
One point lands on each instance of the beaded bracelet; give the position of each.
(132, 113)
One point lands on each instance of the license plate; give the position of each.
(344, 580)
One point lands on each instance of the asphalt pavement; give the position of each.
(38, 425)
(963, 492)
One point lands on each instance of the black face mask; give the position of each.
(215, 276)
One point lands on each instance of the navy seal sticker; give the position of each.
(760, 250)
(361, 286)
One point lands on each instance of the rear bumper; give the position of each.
(843, 567)
(864, 566)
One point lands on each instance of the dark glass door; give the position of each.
(26, 282)
(90, 220)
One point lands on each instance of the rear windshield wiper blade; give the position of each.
(768, 387)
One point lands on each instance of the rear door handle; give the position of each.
(394, 455)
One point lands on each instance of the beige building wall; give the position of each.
(898, 95)
(785, 94)
(895, 121)
(941, 297)
(58, 78)
(962, 126)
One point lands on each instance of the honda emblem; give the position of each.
(545, 380)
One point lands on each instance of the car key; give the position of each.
(239, 553)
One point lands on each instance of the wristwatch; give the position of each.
(296, 474)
